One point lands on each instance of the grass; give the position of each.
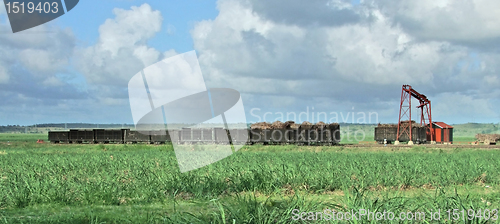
(16, 137)
(255, 208)
(45, 183)
(463, 140)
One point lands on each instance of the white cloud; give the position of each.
(42, 61)
(129, 28)
(42, 52)
(146, 54)
(4, 76)
(108, 101)
(339, 4)
(121, 50)
(463, 20)
(240, 43)
(169, 53)
(492, 80)
(381, 53)
(52, 81)
(307, 13)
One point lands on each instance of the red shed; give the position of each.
(443, 133)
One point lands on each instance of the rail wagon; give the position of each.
(159, 136)
(109, 135)
(59, 136)
(196, 135)
(207, 135)
(240, 136)
(313, 136)
(334, 132)
(175, 136)
(280, 136)
(298, 136)
(81, 136)
(137, 136)
(221, 135)
(309, 135)
(389, 133)
(326, 136)
(186, 135)
(255, 136)
(335, 129)
(266, 135)
(320, 136)
(263, 136)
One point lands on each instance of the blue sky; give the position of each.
(340, 57)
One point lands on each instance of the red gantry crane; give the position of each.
(405, 128)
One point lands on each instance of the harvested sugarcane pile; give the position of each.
(278, 125)
(261, 125)
(403, 123)
(387, 125)
(292, 125)
(413, 123)
(320, 125)
(306, 125)
(487, 137)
